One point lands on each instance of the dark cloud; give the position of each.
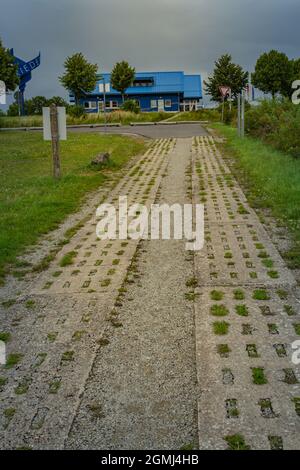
(155, 34)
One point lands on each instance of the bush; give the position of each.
(131, 106)
(76, 111)
(13, 110)
(276, 122)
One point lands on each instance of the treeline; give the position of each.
(34, 106)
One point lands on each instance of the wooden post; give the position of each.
(55, 140)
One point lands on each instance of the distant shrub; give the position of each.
(131, 106)
(76, 111)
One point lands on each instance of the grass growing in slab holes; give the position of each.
(289, 310)
(297, 328)
(224, 350)
(216, 295)
(236, 442)
(282, 294)
(4, 336)
(260, 294)
(220, 328)
(268, 263)
(219, 310)
(273, 274)
(271, 179)
(8, 303)
(193, 282)
(238, 294)
(12, 360)
(242, 310)
(258, 376)
(68, 259)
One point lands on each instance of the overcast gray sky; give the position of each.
(151, 34)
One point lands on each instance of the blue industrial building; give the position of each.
(154, 91)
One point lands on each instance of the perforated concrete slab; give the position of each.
(246, 316)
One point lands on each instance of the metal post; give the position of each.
(239, 115)
(55, 140)
(104, 109)
(223, 109)
(243, 115)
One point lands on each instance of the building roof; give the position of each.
(163, 82)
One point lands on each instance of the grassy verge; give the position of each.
(271, 179)
(211, 115)
(121, 117)
(31, 202)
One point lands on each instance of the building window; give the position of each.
(114, 104)
(143, 82)
(153, 103)
(90, 104)
(168, 103)
(107, 87)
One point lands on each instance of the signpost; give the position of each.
(225, 93)
(55, 129)
(24, 74)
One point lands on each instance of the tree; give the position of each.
(35, 105)
(122, 77)
(8, 68)
(273, 73)
(58, 101)
(226, 73)
(80, 76)
(13, 110)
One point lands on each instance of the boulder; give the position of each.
(101, 158)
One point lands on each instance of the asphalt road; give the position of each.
(153, 132)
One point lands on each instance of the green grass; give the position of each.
(4, 336)
(31, 202)
(242, 310)
(212, 115)
(121, 117)
(216, 295)
(68, 259)
(219, 310)
(271, 179)
(297, 328)
(12, 360)
(261, 294)
(236, 442)
(221, 327)
(258, 376)
(268, 263)
(239, 294)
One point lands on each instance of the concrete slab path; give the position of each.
(144, 345)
